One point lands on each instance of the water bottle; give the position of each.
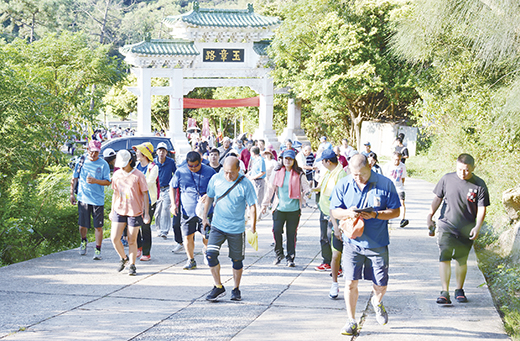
(432, 229)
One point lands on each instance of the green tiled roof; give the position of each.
(158, 47)
(211, 17)
(261, 46)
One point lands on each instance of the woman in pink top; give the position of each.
(129, 204)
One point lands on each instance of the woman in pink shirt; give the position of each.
(129, 205)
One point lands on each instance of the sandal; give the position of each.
(460, 296)
(444, 298)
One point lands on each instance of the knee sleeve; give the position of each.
(212, 258)
(237, 264)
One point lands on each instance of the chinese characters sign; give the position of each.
(223, 55)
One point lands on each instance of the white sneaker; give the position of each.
(178, 248)
(334, 290)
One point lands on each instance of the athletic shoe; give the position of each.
(404, 222)
(122, 264)
(216, 293)
(460, 296)
(381, 314)
(444, 298)
(235, 295)
(131, 270)
(145, 258)
(124, 241)
(334, 290)
(204, 251)
(190, 265)
(139, 252)
(277, 260)
(323, 267)
(340, 273)
(97, 255)
(290, 263)
(83, 248)
(351, 328)
(178, 248)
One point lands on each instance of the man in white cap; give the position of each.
(167, 168)
(90, 174)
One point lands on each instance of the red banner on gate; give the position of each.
(194, 103)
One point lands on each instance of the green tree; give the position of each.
(334, 56)
(49, 90)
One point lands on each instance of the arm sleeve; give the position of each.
(440, 189)
(250, 193)
(210, 191)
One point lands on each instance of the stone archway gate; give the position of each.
(209, 48)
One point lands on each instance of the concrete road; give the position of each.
(65, 296)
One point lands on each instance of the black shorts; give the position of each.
(401, 196)
(236, 243)
(130, 221)
(337, 245)
(453, 247)
(86, 210)
(190, 225)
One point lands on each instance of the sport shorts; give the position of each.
(130, 221)
(85, 211)
(236, 243)
(455, 247)
(369, 264)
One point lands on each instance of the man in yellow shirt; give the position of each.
(331, 177)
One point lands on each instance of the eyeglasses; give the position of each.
(194, 166)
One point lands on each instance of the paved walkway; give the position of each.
(64, 296)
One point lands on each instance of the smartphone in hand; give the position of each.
(367, 210)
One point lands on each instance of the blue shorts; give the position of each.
(130, 221)
(369, 264)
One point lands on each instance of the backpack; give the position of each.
(80, 166)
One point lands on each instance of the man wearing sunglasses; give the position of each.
(192, 182)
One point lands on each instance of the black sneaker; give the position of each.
(216, 293)
(404, 222)
(290, 263)
(277, 260)
(131, 270)
(235, 295)
(190, 265)
(122, 264)
(444, 298)
(460, 296)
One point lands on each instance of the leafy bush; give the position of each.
(37, 218)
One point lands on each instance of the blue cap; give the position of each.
(289, 153)
(326, 155)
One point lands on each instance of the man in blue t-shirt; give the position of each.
(167, 168)
(367, 254)
(229, 222)
(192, 182)
(91, 174)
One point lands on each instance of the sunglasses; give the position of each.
(194, 166)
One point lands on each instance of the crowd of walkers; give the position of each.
(217, 191)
